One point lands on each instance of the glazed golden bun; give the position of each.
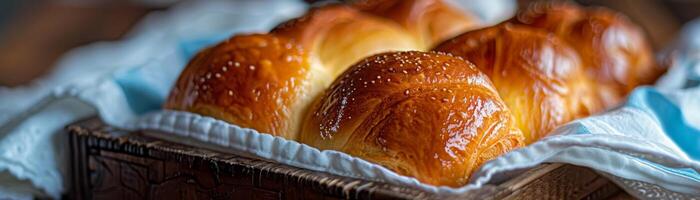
(267, 81)
(427, 115)
(613, 49)
(258, 81)
(337, 36)
(538, 76)
(431, 21)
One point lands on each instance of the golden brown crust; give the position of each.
(254, 81)
(431, 21)
(307, 28)
(426, 115)
(536, 74)
(266, 82)
(612, 48)
(337, 36)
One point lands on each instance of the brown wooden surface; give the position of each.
(111, 164)
(42, 31)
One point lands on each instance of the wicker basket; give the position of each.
(112, 164)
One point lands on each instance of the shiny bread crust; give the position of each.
(253, 81)
(431, 21)
(427, 115)
(539, 76)
(613, 49)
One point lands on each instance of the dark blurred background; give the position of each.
(35, 33)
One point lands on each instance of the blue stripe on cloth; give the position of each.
(140, 97)
(671, 117)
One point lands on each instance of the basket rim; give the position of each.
(93, 133)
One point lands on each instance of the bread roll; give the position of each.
(267, 81)
(538, 76)
(258, 81)
(431, 21)
(613, 49)
(337, 36)
(426, 115)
